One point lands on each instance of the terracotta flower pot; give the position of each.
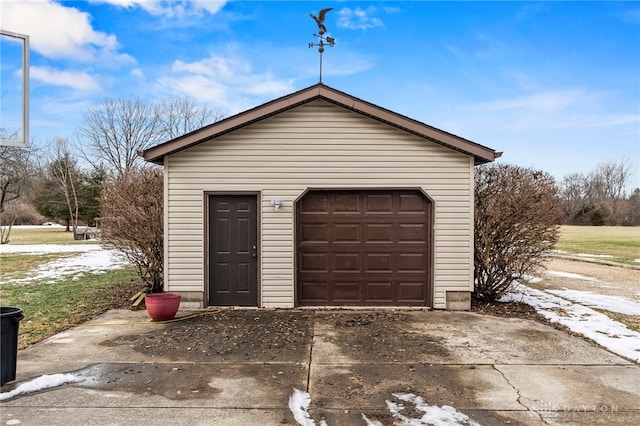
(162, 306)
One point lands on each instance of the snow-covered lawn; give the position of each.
(570, 275)
(622, 305)
(583, 320)
(87, 258)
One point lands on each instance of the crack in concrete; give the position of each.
(313, 336)
(519, 395)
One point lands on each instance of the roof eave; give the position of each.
(480, 153)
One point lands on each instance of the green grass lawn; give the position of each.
(51, 308)
(18, 265)
(44, 235)
(621, 242)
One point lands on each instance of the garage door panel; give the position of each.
(410, 291)
(378, 262)
(369, 247)
(314, 262)
(379, 292)
(412, 262)
(378, 233)
(347, 232)
(347, 262)
(411, 203)
(412, 232)
(346, 291)
(315, 233)
(379, 203)
(314, 291)
(313, 203)
(346, 203)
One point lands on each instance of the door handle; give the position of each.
(254, 253)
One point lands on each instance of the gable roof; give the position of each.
(481, 153)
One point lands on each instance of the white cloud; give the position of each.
(228, 81)
(550, 101)
(556, 109)
(346, 63)
(208, 5)
(171, 8)
(58, 31)
(358, 18)
(137, 72)
(75, 80)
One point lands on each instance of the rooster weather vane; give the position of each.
(322, 39)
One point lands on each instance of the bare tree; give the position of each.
(16, 166)
(610, 179)
(63, 169)
(113, 132)
(573, 190)
(517, 211)
(179, 116)
(597, 198)
(608, 182)
(132, 221)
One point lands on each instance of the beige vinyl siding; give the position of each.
(316, 145)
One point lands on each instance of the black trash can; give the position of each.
(9, 321)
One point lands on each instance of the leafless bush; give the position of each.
(132, 221)
(516, 215)
(17, 213)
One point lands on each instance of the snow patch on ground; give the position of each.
(531, 279)
(48, 248)
(618, 304)
(41, 383)
(433, 415)
(593, 255)
(45, 225)
(571, 276)
(598, 327)
(446, 415)
(299, 405)
(94, 259)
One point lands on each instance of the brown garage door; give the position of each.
(363, 248)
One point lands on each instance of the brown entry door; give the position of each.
(233, 250)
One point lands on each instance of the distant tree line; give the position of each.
(598, 197)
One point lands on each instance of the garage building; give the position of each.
(319, 198)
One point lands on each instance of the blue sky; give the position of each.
(554, 85)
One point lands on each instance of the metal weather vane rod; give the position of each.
(322, 39)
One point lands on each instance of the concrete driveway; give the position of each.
(376, 367)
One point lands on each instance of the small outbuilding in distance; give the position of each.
(319, 198)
